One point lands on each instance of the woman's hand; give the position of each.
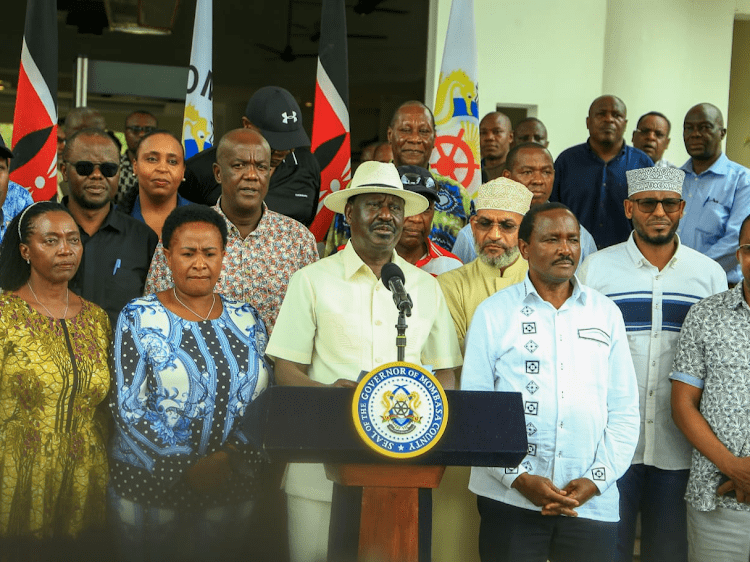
(209, 472)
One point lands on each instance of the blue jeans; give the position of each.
(659, 496)
(513, 534)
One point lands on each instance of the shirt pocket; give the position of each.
(712, 221)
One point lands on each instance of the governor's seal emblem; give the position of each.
(400, 410)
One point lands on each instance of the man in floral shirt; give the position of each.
(710, 404)
(264, 248)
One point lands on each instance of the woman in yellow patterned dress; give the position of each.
(53, 377)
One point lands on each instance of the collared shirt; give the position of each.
(127, 177)
(16, 200)
(716, 203)
(115, 262)
(654, 304)
(339, 319)
(713, 354)
(256, 269)
(137, 214)
(664, 163)
(465, 248)
(467, 287)
(452, 213)
(573, 368)
(437, 260)
(594, 189)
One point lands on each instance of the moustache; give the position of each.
(379, 224)
(563, 260)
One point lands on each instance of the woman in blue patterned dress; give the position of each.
(186, 363)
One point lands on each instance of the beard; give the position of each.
(498, 262)
(658, 240)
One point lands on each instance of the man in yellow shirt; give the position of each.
(501, 204)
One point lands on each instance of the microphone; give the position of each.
(394, 279)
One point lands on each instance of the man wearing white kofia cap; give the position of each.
(501, 204)
(338, 320)
(654, 279)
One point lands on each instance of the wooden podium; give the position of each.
(392, 520)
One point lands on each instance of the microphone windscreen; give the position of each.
(389, 272)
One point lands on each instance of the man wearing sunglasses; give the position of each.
(137, 124)
(501, 204)
(117, 248)
(654, 279)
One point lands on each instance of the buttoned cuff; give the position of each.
(507, 476)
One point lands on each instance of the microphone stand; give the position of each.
(401, 334)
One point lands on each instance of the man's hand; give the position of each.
(580, 489)
(209, 472)
(542, 492)
(742, 495)
(738, 470)
(344, 383)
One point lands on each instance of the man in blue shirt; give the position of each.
(13, 197)
(716, 191)
(590, 177)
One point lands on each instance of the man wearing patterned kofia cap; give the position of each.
(654, 279)
(501, 204)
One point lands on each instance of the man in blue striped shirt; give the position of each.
(654, 279)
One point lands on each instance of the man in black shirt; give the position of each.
(117, 248)
(295, 183)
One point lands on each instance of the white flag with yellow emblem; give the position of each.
(456, 153)
(198, 123)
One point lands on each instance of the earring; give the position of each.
(28, 261)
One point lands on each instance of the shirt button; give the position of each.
(378, 322)
(378, 360)
(653, 363)
(561, 424)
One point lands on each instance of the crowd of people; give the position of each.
(145, 308)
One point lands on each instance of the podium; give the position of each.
(313, 424)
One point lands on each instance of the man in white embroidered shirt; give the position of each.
(563, 347)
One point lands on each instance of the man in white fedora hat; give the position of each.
(338, 319)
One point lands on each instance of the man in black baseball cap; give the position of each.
(295, 184)
(415, 245)
(13, 197)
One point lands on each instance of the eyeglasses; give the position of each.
(138, 130)
(649, 205)
(657, 133)
(84, 168)
(486, 225)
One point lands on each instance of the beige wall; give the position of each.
(738, 118)
(665, 56)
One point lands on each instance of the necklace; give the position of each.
(67, 302)
(210, 310)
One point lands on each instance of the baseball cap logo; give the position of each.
(286, 117)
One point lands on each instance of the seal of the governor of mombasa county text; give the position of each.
(400, 410)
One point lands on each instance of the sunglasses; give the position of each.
(138, 130)
(649, 205)
(84, 168)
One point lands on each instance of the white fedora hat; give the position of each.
(377, 177)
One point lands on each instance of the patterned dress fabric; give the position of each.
(53, 460)
(180, 390)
